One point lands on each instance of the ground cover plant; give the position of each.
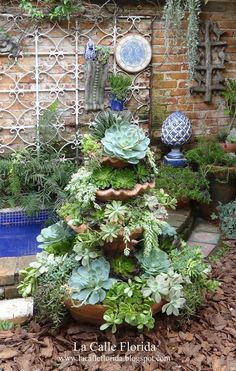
(117, 256)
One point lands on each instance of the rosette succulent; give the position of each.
(127, 142)
(90, 283)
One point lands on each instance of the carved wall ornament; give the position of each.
(8, 46)
(211, 61)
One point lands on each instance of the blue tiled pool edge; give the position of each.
(19, 217)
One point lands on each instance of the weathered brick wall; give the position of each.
(170, 91)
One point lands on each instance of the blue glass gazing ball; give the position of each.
(176, 129)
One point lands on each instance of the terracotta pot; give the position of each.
(93, 314)
(182, 203)
(223, 173)
(117, 246)
(123, 194)
(78, 229)
(117, 163)
(228, 147)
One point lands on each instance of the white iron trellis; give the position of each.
(49, 67)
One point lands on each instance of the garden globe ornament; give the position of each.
(176, 131)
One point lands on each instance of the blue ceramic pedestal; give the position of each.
(175, 158)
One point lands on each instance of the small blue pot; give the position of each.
(117, 105)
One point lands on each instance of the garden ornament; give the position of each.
(176, 130)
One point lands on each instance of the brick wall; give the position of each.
(170, 78)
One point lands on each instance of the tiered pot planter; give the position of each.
(93, 314)
(123, 194)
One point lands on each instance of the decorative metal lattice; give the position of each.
(49, 67)
(212, 58)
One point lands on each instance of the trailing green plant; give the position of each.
(120, 84)
(230, 97)
(183, 183)
(89, 284)
(227, 217)
(127, 142)
(173, 14)
(123, 265)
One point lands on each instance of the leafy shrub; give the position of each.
(183, 183)
(227, 216)
(127, 142)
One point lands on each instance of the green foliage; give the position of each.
(106, 177)
(127, 142)
(50, 292)
(156, 262)
(107, 119)
(89, 284)
(227, 216)
(209, 152)
(183, 183)
(89, 144)
(50, 9)
(109, 231)
(6, 325)
(123, 265)
(120, 84)
(126, 303)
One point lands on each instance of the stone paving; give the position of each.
(206, 235)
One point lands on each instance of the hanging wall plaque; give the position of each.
(133, 53)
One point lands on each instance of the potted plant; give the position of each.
(184, 184)
(219, 167)
(95, 78)
(120, 84)
(113, 271)
(228, 140)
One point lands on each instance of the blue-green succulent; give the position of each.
(89, 284)
(127, 142)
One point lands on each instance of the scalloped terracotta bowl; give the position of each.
(117, 163)
(228, 147)
(93, 314)
(78, 229)
(123, 194)
(118, 244)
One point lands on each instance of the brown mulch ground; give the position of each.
(207, 342)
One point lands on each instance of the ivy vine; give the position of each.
(52, 9)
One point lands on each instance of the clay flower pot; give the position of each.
(123, 194)
(78, 229)
(93, 314)
(116, 163)
(118, 244)
(228, 147)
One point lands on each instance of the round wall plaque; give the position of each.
(133, 53)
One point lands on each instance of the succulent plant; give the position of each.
(231, 138)
(54, 234)
(106, 119)
(156, 262)
(90, 283)
(127, 142)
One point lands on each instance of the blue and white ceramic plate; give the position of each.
(133, 53)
